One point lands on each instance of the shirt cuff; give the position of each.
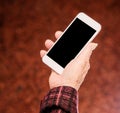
(62, 97)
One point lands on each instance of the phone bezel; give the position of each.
(86, 19)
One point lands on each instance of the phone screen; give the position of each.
(71, 42)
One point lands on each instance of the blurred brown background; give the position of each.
(26, 24)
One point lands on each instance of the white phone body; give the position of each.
(57, 54)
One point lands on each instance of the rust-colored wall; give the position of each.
(26, 24)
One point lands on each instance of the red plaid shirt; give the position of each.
(61, 99)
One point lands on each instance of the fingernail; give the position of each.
(94, 46)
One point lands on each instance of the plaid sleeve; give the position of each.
(61, 99)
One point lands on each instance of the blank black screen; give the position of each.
(71, 42)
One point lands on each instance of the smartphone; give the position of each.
(76, 36)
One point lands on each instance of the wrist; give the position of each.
(74, 85)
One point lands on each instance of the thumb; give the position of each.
(86, 52)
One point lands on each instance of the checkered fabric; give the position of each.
(61, 99)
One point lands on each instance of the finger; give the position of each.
(93, 45)
(58, 34)
(48, 43)
(42, 53)
(85, 68)
(86, 53)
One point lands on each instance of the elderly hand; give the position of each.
(75, 72)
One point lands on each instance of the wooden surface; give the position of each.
(25, 25)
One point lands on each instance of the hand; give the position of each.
(75, 72)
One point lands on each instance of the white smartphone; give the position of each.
(76, 36)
